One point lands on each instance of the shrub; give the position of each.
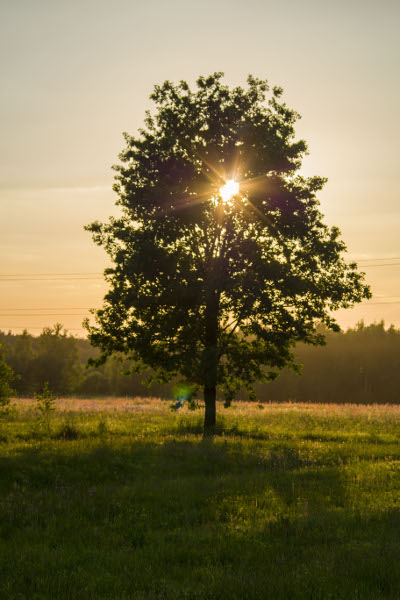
(68, 431)
(45, 403)
(6, 378)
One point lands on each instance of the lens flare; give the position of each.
(230, 189)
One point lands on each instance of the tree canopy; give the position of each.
(221, 259)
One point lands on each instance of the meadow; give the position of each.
(123, 499)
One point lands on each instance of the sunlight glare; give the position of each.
(230, 189)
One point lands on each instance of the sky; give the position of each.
(75, 75)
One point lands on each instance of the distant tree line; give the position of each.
(60, 359)
(361, 365)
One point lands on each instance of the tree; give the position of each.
(6, 378)
(221, 260)
(20, 357)
(57, 360)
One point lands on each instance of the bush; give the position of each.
(45, 403)
(6, 378)
(68, 432)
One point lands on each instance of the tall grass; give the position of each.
(123, 499)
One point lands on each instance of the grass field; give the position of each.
(123, 499)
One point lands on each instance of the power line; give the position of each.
(52, 279)
(53, 308)
(49, 273)
(381, 303)
(20, 327)
(56, 315)
(381, 265)
(375, 259)
(46, 315)
(65, 276)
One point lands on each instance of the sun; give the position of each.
(230, 189)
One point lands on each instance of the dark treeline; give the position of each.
(60, 359)
(361, 365)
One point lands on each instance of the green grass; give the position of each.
(128, 501)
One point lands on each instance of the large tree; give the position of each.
(221, 260)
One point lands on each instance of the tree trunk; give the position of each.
(210, 365)
(210, 394)
(210, 354)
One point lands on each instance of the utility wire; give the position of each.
(52, 273)
(54, 308)
(363, 260)
(382, 300)
(381, 265)
(20, 327)
(51, 276)
(45, 315)
(375, 259)
(380, 303)
(52, 279)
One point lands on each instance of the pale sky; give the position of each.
(75, 75)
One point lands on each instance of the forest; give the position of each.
(360, 365)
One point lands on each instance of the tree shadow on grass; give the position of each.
(191, 518)
(232, 429)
